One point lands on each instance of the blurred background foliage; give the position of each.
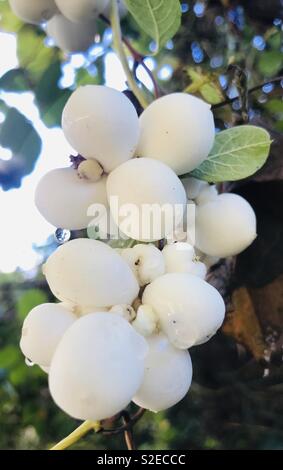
(236, 400)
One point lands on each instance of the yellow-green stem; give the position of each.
(118, 44)
(77, 434)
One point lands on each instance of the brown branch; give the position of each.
(126, 426)
(251, 90)
(128, 433)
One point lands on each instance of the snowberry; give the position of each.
(193, 186)
(225, 226)
(189, 309)
(146, 262)
(125, 311)
(101, 123)
(98, 367)
(80, 311)
(33, 11)
(82, 10)
(63, 198)
(207, 194)
(140, 188)
(146, 322)
(89, 273)
(177, 129)
(168, 375)
(180, 258)
(69, 36)
(90, 170)
(42, 330)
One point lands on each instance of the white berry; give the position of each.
(82, 10)
(193, 186)
(63, 198)
(146, 322)
(177, 129)
(97, 367)
(189, 309)
(42, 330)
(146, 262)
(101, 123)
(90, 170)
(33, 11)
(125, 311)
(89, 273)
(140, 189)
(168, 375)
(69, 36)
(225, 226)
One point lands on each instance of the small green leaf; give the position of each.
(237, 153)
(14, 80)
(206, 84)
(270, 63)
(29, 300)
(160, 19)
(17, 134)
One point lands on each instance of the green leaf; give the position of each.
(8, 20)
(9, 356)
(49, 98)
(32, 53)
(206, 84)
(270, 63)
(17, 134)
(237, 153)
(14, 80)
(29, 300)
(160, 19)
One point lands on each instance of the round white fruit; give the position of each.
(125, 311)
(177, 256)
(69, 36)
(146, 321)
(42, 330)
(193, 186)
(63, 198)
(144, 195)
(146, 262)
(168, 375)
(34, 11)
(189, 309)
(177, 129)
(180, 258)
(89, 273)
(82, 10)
(101, 123)
(207, 194)
(98, 367)
(225, 226)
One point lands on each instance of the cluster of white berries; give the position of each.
(127, 317)
(72, 24)
(101, 345)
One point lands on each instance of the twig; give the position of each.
(138, 58)
(118, 44)
(128, 433)
(251, 90)
(133, 420)
(77, 434)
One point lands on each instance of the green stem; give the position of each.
(118, 44)
(77, 434)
